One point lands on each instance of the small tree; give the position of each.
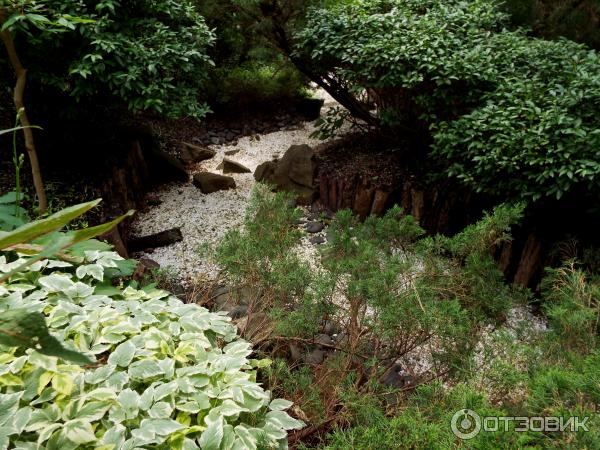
(18, 16)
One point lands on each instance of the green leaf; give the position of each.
(280, 404)
(129, 399)
(38, 228)
(285, 420)
(162, 427)
(211, 438)
(122, 355)
(144, 369)
(9, 405)
(160, 410)
(12, 130)
(23, 329)
(93, 411)
(63, 383)
(79, 431)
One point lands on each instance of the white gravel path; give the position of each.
(205, 218)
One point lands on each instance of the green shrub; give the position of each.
(256, 83)
(512, 115)
(147, 55)
(572, 304)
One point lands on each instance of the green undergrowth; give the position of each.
(91, 360)
(436, 306)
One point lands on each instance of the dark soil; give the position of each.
(382, 161)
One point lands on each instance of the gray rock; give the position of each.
(232, 152)
(215, 140)
(231, 166)
(166, 167)
(144, 269)
(294, 172)
(317, 240)
(219, 290)
(310, 108)
(330, 328)
(225, 302)
(315, 357)
(265, 171)
(314, 227)
(340, 338)
(324, 339)
(238, 312)
(191, 153)
(295, 352)
(211, 182)
(392, 377)
(298, 164)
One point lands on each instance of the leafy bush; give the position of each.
(163, 374)
(258, 83)
(513, 115)
(249, 71)
(149, 55)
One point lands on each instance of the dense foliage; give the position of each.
(249, 71)
(159, 373)
(512, 114)
(436, 306)
(147, 55)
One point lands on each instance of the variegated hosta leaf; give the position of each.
(162, 378)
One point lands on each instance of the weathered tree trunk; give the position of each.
(21, 74)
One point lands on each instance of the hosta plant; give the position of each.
(164, 374)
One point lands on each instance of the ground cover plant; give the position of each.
(119, 366)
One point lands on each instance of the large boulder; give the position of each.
(211, 182)
(191, 153)
(294, 172)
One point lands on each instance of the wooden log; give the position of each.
(364, 199)
(348, 193)
(323, 188)
(340, 194)
(332, 195)
(161, 239)
(379, 202)
(531, 261)
(418, 204)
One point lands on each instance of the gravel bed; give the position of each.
(205, 218)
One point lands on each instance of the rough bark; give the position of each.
(21, 75)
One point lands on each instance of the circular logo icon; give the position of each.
(466, 424)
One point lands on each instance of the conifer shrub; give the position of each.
(392, 290)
